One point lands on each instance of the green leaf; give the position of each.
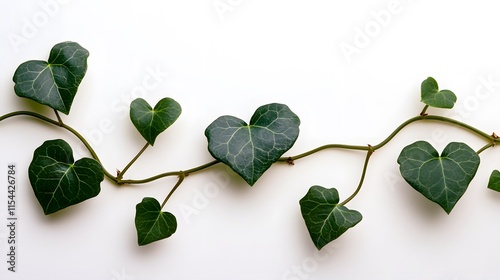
(443, 178)
(152, 224)
(58, 181)
(325, 219)
(494, 182)
(53, 83)
(151, 122)
(250, 149)
(432, 96)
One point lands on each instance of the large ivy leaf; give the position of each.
(151, 122)
(443, 178)
(250, 149)
(324, 218)
(494, 182)
(58, 181)
(152, 224)
(53, 83)
(432, 96)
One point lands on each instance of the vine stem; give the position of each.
(363, 175)
(479, 133)
(96, 157)
(172, 173)
(491, 139)
(68, 128)
(120, 174)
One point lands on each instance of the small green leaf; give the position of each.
(151, 122)
(443, 178)
(432, 96)
(324, 218)
(53, 83)
(494, 182)
(152, 224)
(58, 181)
(250, 149)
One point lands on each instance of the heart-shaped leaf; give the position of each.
(53, 83)
(494, 182)
(151, 122)
(432, 96)
(152, 224)
(250, 149)
(325, 219)
(58, 181)
(443, 178)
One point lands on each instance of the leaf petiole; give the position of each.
(58, 118)
(362, 179)
(487, 146)
(423, 113)
(179, 182)
(120, 174)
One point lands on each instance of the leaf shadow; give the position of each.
(65, 214)
(34, 106)
(494, 196)
(424, 207)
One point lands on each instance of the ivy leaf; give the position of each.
(443, 178)
(151, 122)
(494, 182)
(58, 181)
(324, 218)
(432, 96)
(53, 83)
(250, 149)
(152, 224)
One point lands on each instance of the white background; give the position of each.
(351, 71)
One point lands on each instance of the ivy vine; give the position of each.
(249, 149)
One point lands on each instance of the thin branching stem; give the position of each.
(363, 175)
(179, 182)
(65, 126)
(424, 111)
(120, 174)
(491, 139)
(433, 118)
(58, 118)
(485, 147)
(172, 173)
